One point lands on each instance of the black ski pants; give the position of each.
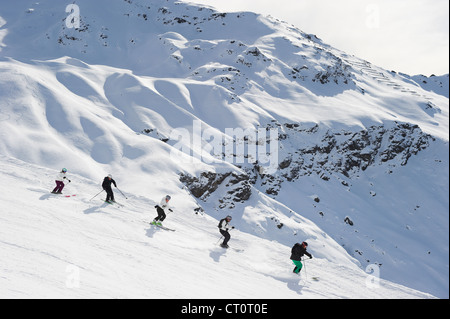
(109, 194)
(161, 214)
(226, 236)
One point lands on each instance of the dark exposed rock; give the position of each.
(348, 221)
(339, 154)
(238, 186)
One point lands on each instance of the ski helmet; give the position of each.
(229, 217)
(109, 175)
(64, 170)
(168, 197)
(305, 244)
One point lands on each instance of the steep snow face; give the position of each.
(433, 83)
(360, 154)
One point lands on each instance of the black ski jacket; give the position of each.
(107, 183)
(298, 251)
(224, 225)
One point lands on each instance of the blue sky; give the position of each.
(410, 36)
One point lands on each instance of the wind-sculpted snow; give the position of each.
(230, 113)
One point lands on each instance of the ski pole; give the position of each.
(304, 263)
(96, 195)
(122, 193)
(222, 235)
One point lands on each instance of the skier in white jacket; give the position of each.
(162, 209)
(224, 227)
(60, 181)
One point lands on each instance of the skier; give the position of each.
(60, 181)
(107, 181)
(297, 253)
(161, 210)
(224, 226)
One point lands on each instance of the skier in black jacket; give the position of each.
(107, 181)
(297, 253)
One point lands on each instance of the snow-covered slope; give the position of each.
(361, 170)
(74, 247)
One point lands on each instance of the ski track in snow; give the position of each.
(105, 98)
(119, 255)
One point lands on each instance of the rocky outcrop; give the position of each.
(238, 187)
(343, 154)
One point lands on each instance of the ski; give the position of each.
(165, 228)
(238, 250)
(113, 203)
(119, 204)
(162, 227)
(63, 195)
(307, 279)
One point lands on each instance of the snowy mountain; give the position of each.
(231, 114)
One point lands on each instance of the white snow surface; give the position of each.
(59, 247)
(81, 98)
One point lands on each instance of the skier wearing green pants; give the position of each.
(297, 253)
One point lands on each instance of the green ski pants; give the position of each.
(298, 266)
